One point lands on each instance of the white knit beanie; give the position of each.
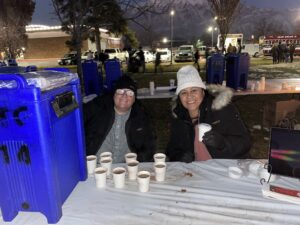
(188, 76)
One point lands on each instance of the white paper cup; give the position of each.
(235, 172)
(132, 168)
(143, 178)
(106, 163)
(160, 171)
(172, 83)
(129, 157)
(119, 177)
(91, 162)
(100, 177)
(151, 87)
(255, 167)
(203, 128)
(105, 155)
(159, 157)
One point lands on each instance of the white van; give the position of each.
(165, 54)
(252, 49)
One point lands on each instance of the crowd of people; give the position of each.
(117, 122)
(282, 52)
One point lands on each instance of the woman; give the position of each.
(196, 104)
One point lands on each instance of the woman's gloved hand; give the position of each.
(214, 139)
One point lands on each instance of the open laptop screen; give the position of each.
(284, 153)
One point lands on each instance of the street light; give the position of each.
(211, 29)
(172, 13)
(164, 40)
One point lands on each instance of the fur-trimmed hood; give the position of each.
(221, 97)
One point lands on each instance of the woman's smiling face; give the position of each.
(191, 98)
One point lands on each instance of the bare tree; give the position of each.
(225, 12)
(73, 15)
(105, 14)
(14, 16)
(134, 9)
(263, 26)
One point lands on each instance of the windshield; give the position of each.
(110, 50)
(185, 48)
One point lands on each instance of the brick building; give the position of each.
(49, 42)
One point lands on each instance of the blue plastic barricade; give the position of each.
(93, 82)
(237, 68)
(113, 72)
(12, 62)
(42, 154)
(215, 69)
(12, 69)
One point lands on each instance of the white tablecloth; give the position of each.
(195, 193)
(272, 86)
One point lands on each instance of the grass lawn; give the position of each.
(251, 107)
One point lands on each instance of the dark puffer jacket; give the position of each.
(99, 116)
(224, 118)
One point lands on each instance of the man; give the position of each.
(197, 57)
(157, 62)
(117, 123)
(292, 52)
(141, 56)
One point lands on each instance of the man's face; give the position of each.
(123, 99)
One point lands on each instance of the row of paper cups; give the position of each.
(118, 173)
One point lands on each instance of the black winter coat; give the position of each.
(99, 116)
(226, 121)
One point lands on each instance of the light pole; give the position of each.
(172, 13)
(211, 29)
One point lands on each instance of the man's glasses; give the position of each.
(126, 92)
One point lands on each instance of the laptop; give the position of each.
(284, 152)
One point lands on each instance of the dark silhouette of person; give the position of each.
(274, 52)
(157, 61)
(292, 52)
(197, 58)
(280, 52)
(141, 56)
(239, 46)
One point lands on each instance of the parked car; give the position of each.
(185, 53)
(68, 59)
(84, 55)
(165, 54)
(149, 57)
(116, 53)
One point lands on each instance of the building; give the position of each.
(49, 42)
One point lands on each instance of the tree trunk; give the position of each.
(98, 40)
(77, 34)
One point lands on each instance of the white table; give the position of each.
(209, 196)
(273, 86)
